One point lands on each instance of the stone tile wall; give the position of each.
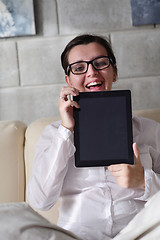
(30, 72)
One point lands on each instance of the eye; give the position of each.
(78, 67)
(100, 63)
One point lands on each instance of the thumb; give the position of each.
(136, 153)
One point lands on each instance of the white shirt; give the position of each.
(92, 206)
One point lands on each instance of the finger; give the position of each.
(73, 104)
(70, 103)
(65, 91)
(116, 167)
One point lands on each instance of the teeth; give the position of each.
(94, 83)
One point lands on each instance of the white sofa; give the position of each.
(17, 147)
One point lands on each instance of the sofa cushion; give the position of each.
(153, 114)
(12, 176)
(32, 135)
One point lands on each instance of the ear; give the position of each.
(114, 77)
(115, 74)
(68, 80)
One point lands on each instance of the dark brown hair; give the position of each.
(83, 40)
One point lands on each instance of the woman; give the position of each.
(96, 203)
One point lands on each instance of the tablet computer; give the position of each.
(103, 128)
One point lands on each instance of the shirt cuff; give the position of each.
(65, 133)
(148, 183)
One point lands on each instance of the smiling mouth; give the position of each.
(94, 84)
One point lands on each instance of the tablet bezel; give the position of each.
(76, 114)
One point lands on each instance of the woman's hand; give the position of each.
(129, 176)
(66, 106)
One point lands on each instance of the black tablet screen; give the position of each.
(103, 129)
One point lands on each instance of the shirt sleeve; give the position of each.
(53, 152)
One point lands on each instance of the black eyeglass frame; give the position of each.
(69, 68)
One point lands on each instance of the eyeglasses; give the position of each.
(81, 67)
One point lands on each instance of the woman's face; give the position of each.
(92, 80)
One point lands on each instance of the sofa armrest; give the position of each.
(12, 173)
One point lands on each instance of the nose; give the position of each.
(91, 70)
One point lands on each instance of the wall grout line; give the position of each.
(57, 15)
(18, 64)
